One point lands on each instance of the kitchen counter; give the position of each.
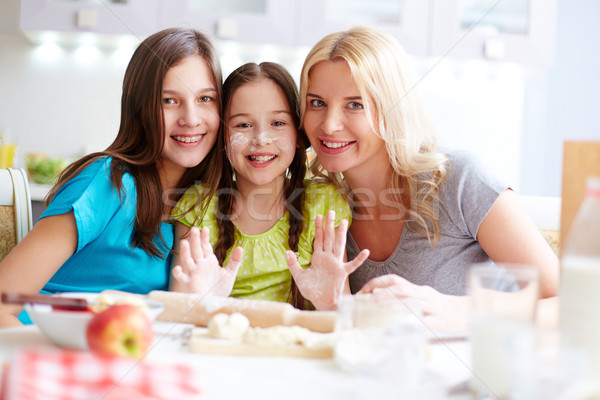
(38, 192)
(38, 199)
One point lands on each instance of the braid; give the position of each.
(226, 229)
(225, 209)
(295, 208)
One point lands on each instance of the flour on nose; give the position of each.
(262, 139)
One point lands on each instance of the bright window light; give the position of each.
(122, 54)
(48, 52)
(87, 54)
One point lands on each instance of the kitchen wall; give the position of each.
(66, 101)
(562, 103)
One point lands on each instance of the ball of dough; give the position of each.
(228, 326)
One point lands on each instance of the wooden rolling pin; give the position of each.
(198, 310)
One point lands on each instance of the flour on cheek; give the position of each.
(237, 142)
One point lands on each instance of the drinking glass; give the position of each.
(381, 335)
(7, 154)
(503, 304)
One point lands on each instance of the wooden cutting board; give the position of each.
(202, 342)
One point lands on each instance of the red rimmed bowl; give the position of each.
(67, 328)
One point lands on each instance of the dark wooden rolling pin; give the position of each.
(198, 310)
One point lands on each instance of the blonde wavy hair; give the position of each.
(381, 71)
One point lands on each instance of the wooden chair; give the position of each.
(16, 218)
(580, 160)
(545, 212)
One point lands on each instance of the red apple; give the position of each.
(120, 330)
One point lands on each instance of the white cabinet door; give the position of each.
(248, 21)
(407, 20)
(521, 31)
(133, 17)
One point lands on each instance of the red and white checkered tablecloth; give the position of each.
(73, 375)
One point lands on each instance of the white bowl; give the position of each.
(68, 328)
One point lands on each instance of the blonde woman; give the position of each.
(424, 214)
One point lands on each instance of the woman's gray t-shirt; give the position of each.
(466, 196)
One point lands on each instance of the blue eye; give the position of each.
(278, 123)
(243, 125)
(354, 105)
(205, 99)
(168, 100)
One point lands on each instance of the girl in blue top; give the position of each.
(105, 227)
(265, 216)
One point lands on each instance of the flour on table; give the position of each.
(236, 327)
(287, 336)
(275, 336)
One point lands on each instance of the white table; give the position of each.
(229, 377)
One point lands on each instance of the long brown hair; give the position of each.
(140, 140)
(252, 72)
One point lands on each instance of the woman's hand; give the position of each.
(323, 282)
(199, 271)
(442, 312)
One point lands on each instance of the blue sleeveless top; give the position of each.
(104, 258)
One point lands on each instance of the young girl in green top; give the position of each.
(265, 216)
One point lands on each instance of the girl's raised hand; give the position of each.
(323, 282)
(199, 270)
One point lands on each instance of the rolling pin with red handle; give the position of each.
(198, 310)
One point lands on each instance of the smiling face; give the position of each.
(191, 116)
(337, 123)
(261, 135)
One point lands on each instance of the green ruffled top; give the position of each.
(264, 273)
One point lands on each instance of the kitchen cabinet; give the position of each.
(114, 17)
(407, 20)
(521, 31)
(247, 21)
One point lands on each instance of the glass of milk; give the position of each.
(503, 305)
(381, 336)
